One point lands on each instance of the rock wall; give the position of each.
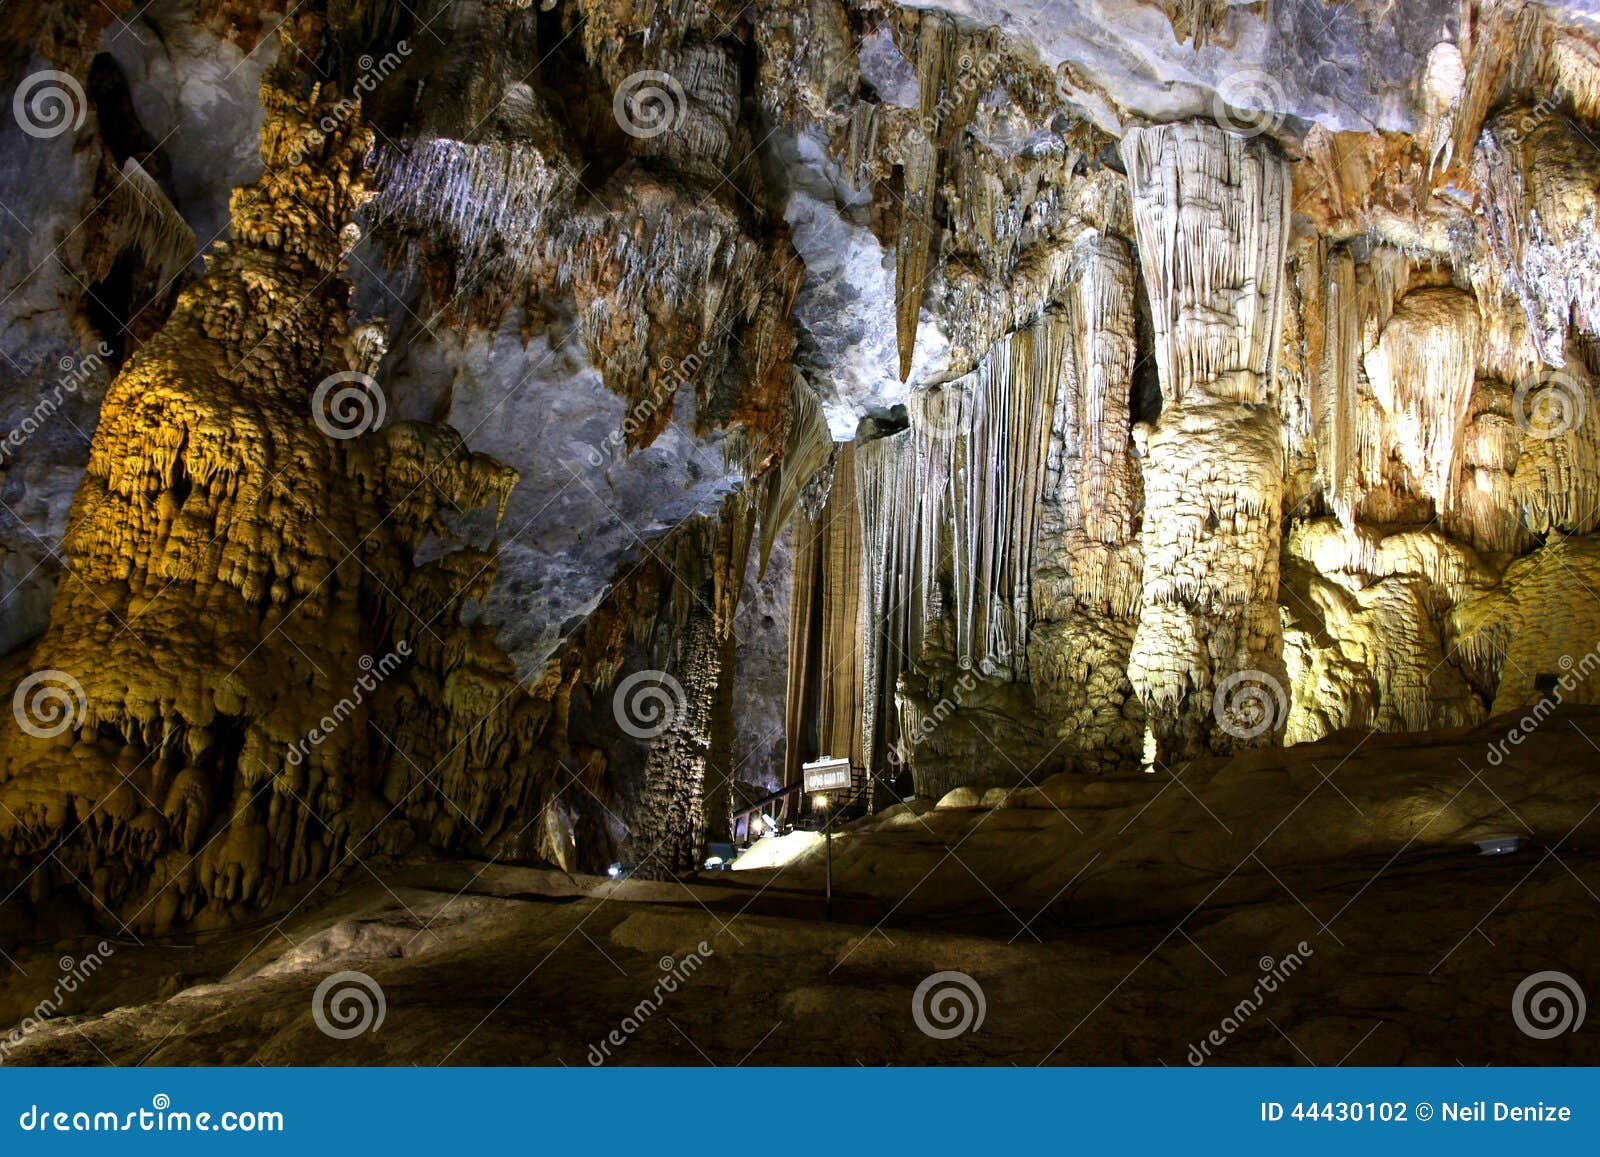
(1088, 385)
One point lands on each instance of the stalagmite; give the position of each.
(685, 797)
(1556, 481)
(1529, 629)
(1364, 642)
(217, 521)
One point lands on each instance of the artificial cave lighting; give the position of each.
(468, 468)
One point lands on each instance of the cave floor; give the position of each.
(1103, 922)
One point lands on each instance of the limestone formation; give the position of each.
(980, 397)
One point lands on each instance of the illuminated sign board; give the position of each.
(826, 774)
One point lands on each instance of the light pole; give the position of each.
(821, 803)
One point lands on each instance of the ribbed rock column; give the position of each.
(1086, 584)
(1211, 215)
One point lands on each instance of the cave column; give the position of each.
(1087, 581)
(670, 827)
(1211, 215)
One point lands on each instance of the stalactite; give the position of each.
(490, 170)
(1520, 46)
(948, 84)
(1196, 20)
(145, 219)
(1336, 406)
(807, 448)
(891, 591)
(986, 446)
(490, 201)
(824, 710)
(1422, 372)
(1210, 212)
(1540, 183)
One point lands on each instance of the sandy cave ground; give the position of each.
(1117, 920)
